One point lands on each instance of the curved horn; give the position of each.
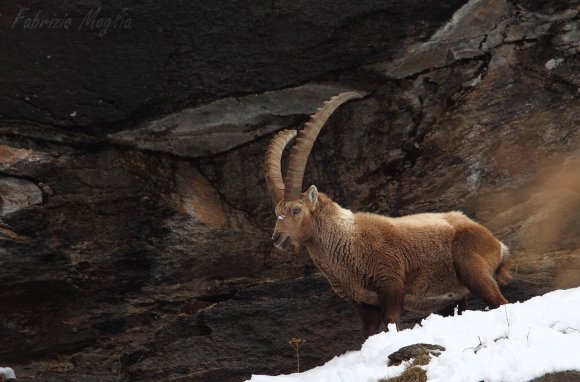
(305, 140)
(273, 165)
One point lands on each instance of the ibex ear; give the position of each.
(312, 194)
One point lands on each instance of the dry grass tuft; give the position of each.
(422, 359)
(412, 374)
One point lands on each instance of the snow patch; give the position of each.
(553, 63)
(516, 342)
(7, 373)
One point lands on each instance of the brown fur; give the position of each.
(423, 263)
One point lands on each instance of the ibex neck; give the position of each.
(335, 227)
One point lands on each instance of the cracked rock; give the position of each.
(461, 37)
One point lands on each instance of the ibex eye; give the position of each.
(296, 211)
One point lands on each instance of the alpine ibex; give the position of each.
(423, 263)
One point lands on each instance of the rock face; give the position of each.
(154, 59)
(217, 337)
(135, 224)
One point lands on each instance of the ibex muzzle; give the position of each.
(293, 223)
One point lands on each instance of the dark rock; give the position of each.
(414, 351)
(268, 316)
(159, 58)
(562, 376)
(98, 259)
(194, 305)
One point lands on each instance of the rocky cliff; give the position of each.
(135, 224)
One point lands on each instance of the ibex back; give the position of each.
(424, 263)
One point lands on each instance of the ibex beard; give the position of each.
(380, 265)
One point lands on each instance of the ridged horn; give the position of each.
(273, 165)
(306, 137)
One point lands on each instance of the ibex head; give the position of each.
(294, 209)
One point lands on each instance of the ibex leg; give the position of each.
(370, 316)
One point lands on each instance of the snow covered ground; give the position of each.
(516, 342)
